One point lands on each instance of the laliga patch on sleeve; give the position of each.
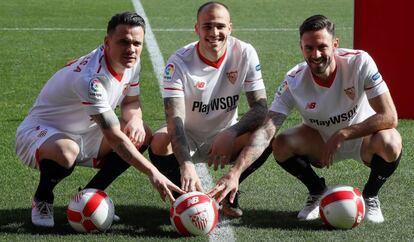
(282, 88)
(258, 67)
(95, 89)
(169, 72)
(376, 76)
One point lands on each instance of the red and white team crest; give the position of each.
(194, 213)
(350, 92)
(232, 76)
(200, 219)
(201, 85)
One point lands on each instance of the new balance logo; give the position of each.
(311, 105)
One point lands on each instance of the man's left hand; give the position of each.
(135, 131)
(221, 149)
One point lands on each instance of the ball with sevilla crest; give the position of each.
(194, 213)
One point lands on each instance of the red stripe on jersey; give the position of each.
(134, 84)
(350, 53)
(172, 88)
(293, 75)
(254, 80)
(100, 58)
(111, 70)
(326, 83)
(373, 86)
(100, 64)
(70, 62)
(87, 103)
(99, 69)
(216, 64)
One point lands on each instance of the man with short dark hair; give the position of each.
(347, 113)
(73, 121)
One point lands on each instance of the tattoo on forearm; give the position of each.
(256, 114)
(175, 115)
(106, 120)
(123, 151)
(277, 120)
(262, 137)
(254, 150)
(179, 141)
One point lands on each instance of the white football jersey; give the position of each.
(212, 90)
(84, 87)
(338, 104)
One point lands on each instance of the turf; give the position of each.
(271, 198)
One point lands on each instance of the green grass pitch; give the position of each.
(38, 37)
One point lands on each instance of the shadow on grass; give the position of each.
(284, 220)
(135, 221)
(147, 222)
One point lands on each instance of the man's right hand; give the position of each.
(164, 186)
(228, 184)
(189, 179)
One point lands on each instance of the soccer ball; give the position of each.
(342, 207)
(90, 210)
(194, 213)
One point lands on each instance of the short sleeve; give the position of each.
(283, 101)
(254, 80)
(374, 85)
(134, 84)
(172, 81)
(93, 94)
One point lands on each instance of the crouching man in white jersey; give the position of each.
(347, 112)
(73, 120)
(201, 90)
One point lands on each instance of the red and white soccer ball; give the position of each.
(90, 210)
(194, 213)
(342, 207)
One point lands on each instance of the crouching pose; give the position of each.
(202, 88)
(347, 113)
(73, 121)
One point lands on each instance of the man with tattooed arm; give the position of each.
(201, 90)
(73, 120)
(347, 112)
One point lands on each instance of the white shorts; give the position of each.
(199, 150)
(350, 149)
(30, 135)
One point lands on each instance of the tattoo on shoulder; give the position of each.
(106, 120)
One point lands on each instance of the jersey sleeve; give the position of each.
(173, 80)
(93, 95)
(283, 101)
(374, 85)
(134, 83)
(254, 80)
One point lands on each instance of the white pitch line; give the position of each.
(52, 29)
(223, 231)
